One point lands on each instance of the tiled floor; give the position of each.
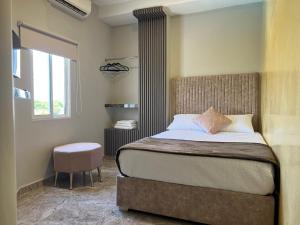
(84, 205)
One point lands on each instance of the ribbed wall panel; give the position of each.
(152, 82)
(229, 94)
(115, 138)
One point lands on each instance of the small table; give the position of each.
(78, 157)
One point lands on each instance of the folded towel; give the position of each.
(126, 121)
(126, 124)
(129, 124)
(125, 127)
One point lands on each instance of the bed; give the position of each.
(219, 185)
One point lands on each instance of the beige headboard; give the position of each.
(229, 94)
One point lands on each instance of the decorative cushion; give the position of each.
(212, 121)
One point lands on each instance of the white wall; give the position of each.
(36, 139)
(7, 151)
(124, 43)
(227, 40)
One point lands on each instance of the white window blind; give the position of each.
(32, 38)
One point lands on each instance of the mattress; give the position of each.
(221, 173)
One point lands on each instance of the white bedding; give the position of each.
(221, 173)
(192, 135)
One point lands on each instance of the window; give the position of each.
(51, 91)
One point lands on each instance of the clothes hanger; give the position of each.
(114, 67)
(122, 67)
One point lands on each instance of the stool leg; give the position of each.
(99, 174)
(71, 181)
(55, 181)
(83, 177)
(91, 177)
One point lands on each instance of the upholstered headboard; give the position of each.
(229, 94)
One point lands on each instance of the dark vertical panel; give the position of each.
(115, 138)
(152, 53)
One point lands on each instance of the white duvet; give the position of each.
(220, 173)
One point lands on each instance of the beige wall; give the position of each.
(281, 100)
(35, 139)
(228, 40)
(124, 43)
(7, 151)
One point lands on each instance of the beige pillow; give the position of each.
(212, 121)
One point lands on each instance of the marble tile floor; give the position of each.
(84, 205)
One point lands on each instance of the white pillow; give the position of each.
(239, 123)
(184, 122)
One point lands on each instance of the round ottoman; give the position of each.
(78, 157)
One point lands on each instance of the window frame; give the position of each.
(67, 77)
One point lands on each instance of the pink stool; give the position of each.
(78, 157)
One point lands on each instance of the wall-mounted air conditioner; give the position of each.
(77, 8)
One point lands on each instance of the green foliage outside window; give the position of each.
(43, 108)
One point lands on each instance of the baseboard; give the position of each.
(34, 185)
(38, 183)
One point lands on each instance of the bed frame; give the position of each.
(229, 94)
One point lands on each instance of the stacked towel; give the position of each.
(126, 124)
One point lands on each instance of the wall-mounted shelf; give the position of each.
(123, 106)
(120, 58)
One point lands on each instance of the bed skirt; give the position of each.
(197, 204)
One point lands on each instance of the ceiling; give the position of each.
(119, 12)
(110, 2)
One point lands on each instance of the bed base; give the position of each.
(197, 204)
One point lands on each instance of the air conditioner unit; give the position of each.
(77, 8)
